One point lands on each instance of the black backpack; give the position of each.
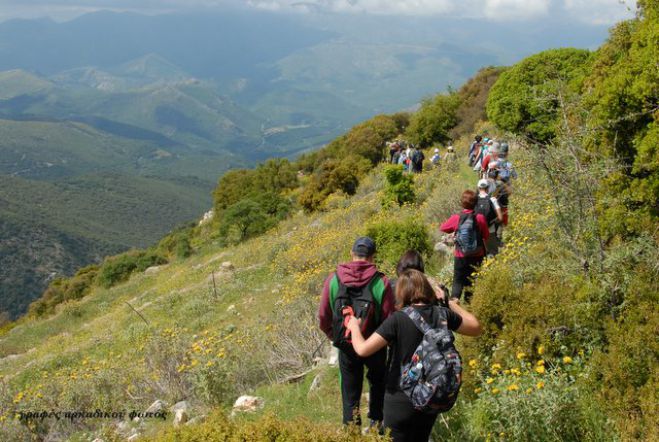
(467, 237)
(433, 377)
(349, 301)
(485, 207)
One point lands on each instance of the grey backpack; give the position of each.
(433, 376)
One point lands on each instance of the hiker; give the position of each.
(413, 260)
(403, 160)
(436, 158)
(505, 167)
(396, 155)
(393, 148)
(474, 148)
(416, 160)
(491, 157)
(401, 331)
(502, 193)
(488, 206)
(471, 233)
(357, 288)
(450, 156)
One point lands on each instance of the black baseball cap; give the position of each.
(364, 247)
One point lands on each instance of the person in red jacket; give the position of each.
(464, 266)
(358, 278)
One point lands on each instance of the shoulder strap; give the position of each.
(377, 288)
(418, 320)
(333, 289)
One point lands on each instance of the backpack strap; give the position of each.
(418, 320)
(377, 287)
(333, 289)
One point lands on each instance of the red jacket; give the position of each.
(355, 274)
(451, 225)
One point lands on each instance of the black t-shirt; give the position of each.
(404, 337)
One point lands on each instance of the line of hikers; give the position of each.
(400, 331)
(411, 158)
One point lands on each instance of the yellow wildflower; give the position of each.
(529, 390)
(489, 380)
(540, 362)
(540, 369)
(478, 390)
(473, 363)
(521, 355)
(540, 385)
(515, 371)
(495, 391)
(541, 350)
(513, 387)
(567, 360)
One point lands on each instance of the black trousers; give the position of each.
(463, 268)
(352, 380)
(405, 423)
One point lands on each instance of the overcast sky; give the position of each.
(592, 11)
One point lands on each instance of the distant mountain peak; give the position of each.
(19, 82)
(153, 66)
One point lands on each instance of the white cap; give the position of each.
(436, 150)
(483, 184)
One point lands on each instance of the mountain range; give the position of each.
(114, 127)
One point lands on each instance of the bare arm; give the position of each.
(470, 325)
(364, 347)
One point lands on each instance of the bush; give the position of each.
(394, 237)
(116, 269)
(266, 428)
(432, 123)
(534, 399)
(244, 219)
(525, 99)
(400, 186)
(62, 290)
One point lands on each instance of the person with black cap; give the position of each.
(358, 289)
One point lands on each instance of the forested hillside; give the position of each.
(228, 307)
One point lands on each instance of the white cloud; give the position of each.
(595, 11)
(515, 9)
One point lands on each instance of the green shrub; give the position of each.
(399, 188)
(63, 289)
(244, 219)
(218, 428)
(531, 399)
(116, 269)
(178, 242)
(393, 237)
(525, 99)
(432, 123)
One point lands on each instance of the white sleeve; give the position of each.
(495, 203)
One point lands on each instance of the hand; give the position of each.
(354, 323)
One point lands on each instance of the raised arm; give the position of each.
(364, 347)
(470, 325)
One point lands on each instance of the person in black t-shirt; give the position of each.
(398, 331)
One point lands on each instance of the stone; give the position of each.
(196, 420)
(153, 270)
(180, 417)
(231, 308)
(248, 404)
(334, 357)
(182, 405)
(227, 266)
(156, 407)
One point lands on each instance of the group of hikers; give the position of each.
(411, 158)
(400, 331)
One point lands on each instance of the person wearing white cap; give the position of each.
(492, 156)
(489, 207)
(436, 158)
